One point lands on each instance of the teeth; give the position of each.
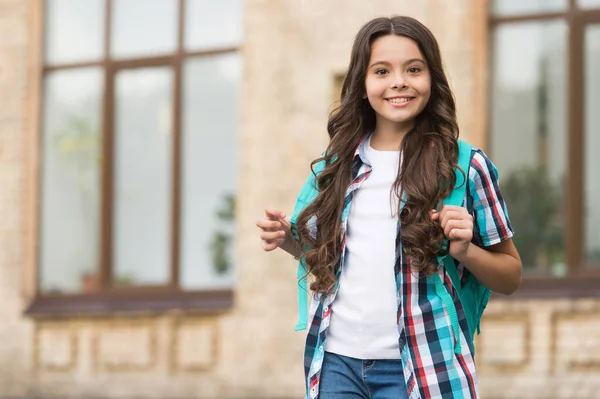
(398, 100)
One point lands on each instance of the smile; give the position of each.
(399, 101)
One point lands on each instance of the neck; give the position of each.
(387, 137)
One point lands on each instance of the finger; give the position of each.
(442, 216)
(452, 208)
(458, 216)
(268, 224)
(453, 234)
(463, 235)
(274, 213)
(272, 235)
(448, 226)
(285, 222)
(434, 214)
(446, 216)
(457, 224)
(269, 246)
(458, 213)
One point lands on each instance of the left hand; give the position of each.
(457, 224)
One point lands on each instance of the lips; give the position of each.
(399, 101)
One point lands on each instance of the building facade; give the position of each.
(141, 140)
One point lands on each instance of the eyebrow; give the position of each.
(406, 63)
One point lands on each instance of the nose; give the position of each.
(398, 84)
(399, 81)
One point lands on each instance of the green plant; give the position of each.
(222, 240)
(534, 205)
(78, 141)
(593, 255)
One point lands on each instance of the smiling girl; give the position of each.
(370, 238)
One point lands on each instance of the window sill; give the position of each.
(144, 302)
(573, 287)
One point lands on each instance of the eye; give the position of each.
(380, 72)
(414, 70)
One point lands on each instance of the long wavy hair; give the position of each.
(430, 153)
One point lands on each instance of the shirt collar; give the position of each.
(361, 149)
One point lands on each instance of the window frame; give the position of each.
(582, 279)
(110, 298)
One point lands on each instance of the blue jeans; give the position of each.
(348, 378)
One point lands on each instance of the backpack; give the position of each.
(473, 295)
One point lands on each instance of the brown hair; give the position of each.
(430, 153)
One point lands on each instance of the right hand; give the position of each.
(276, 230)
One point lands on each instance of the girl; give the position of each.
(371, 236)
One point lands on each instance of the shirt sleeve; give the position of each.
(491, 224)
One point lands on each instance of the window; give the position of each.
(545, 133)
(138, 154)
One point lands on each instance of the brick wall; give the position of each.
(294, 53)
(14, 331)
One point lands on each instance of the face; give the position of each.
(398, 82)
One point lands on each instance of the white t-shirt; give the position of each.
(363, 321)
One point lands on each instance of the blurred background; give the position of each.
(140, 140)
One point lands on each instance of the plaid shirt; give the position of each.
(431, 368)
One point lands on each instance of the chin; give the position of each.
(398, 119)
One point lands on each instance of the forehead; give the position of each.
(394, 48)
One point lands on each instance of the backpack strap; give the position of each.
(455, 198)
(457, 195)
(308, 193)
(302, 298)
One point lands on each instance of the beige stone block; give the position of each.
(123, 348)
(504, 345)
(56, 349)
(587, 305)
(576, 342)
(195, 345)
